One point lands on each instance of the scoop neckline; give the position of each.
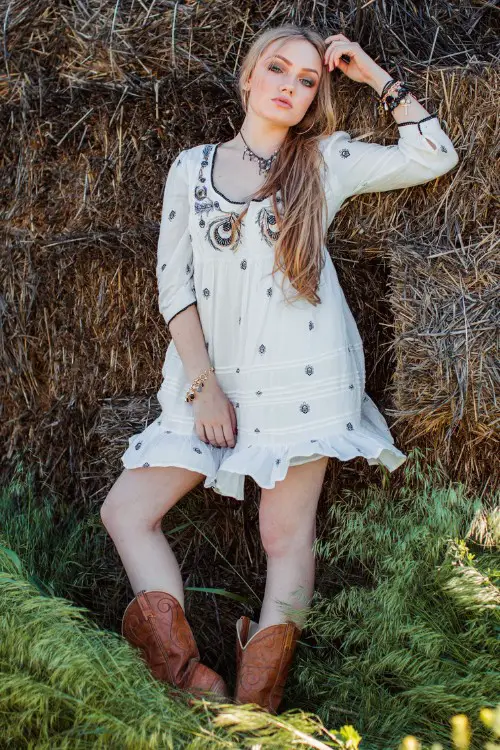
(211, 172)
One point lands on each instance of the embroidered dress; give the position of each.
(294, 372)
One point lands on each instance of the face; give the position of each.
(292, 71)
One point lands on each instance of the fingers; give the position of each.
(339, 46)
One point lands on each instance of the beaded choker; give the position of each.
(264, 164)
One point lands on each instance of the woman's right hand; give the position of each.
(214, 415)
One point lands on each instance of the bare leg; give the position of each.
(132, 513)
(287, 518)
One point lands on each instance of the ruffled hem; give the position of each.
(225, 468)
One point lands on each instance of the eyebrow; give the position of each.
(312, 70)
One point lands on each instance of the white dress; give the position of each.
(294, 372)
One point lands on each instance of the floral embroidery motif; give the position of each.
(270, 291)
(278, 461)
(237, 369)
(145, 465)
(206, 293)
(256, 429)
(443, 148)
(197, 450)
(309, 370)
(344, 152)
(243, 264)
(258, 393)
(163, 266)
(138, 446)
(219, 230)
(351, 386)
(349, 426)
(188, 269)
(314, 440)
(266, 221)
(262, 348)
(304, 408)
(171, 215)
(311, 325)
(239, 319)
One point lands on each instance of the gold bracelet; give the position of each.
(197, 384)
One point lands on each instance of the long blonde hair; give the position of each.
(295, 172)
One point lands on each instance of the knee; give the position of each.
(285, 538)
(118, 514)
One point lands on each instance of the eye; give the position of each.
(275, 67)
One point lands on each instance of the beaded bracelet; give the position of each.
(393, 93)
(197, 384)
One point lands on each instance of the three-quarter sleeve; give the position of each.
(358, 167)
(175, 267)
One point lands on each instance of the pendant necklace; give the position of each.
(264, 164)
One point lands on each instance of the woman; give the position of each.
(258, 381)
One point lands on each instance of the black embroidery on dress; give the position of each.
(206, 292)
(237, 369)
(443, 148)
(188, 269)
(314, 440)
(258, 393)
(256, 429)
(311, 325)
(270, 291)
(171, 214)
(262, 348)
(309, 369)
(239, 319)
(197, 450)
(163, 266)
(237, 405)
(304, 408)
(168, 432)
(266, 220)
(243, 264)
(159, 421)
(219, 232)
(190, 238)
(344, 152)
(138, 446)
(349, 426)
(351, 386)
(145, 465)
(178, 162)
(278, 461)
(348, 348)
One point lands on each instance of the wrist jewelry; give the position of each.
(197, 384)
(393, 93)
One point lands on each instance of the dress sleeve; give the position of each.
(360, 167)
(174, 266)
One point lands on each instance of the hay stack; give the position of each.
(95, 101)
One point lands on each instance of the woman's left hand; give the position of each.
(361, 67)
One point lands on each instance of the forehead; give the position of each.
(299, 51)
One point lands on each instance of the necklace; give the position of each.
(264, 164)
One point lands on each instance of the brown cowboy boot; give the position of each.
(154, 621)
(263, 660)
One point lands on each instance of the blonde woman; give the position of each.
(264, 374)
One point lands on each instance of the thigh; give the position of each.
(144, 495)
(288, 511)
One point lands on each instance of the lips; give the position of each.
(283, 102)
